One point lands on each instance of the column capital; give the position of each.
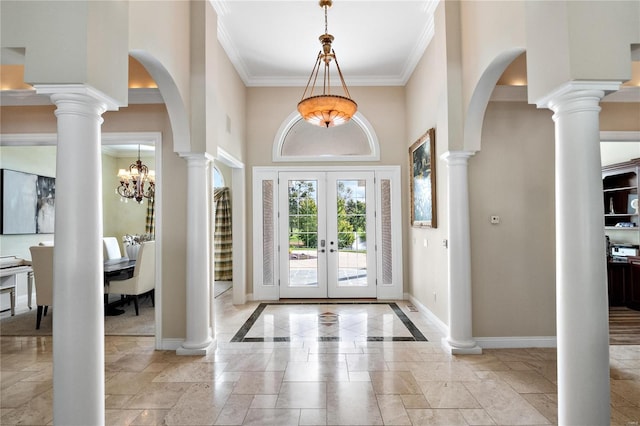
(76, 91)
(195, 157)
(571, 89)
(457, 157)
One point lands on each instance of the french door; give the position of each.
(327, 231)
(327, 227)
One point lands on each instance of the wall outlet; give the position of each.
(494, 219)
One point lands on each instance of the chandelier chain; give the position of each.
(326, 109)
(326, 31)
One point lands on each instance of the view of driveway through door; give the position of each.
(328, 220)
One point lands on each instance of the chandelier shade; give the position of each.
(137, 182)
(327, 109)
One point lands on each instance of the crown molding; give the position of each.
(29, 97)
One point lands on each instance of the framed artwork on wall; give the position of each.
(423, 180)
(28, 203)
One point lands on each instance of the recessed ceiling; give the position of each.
(275, 43)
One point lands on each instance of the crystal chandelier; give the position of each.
(326, 110)
(138, 182)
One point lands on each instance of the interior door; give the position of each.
(327, 235)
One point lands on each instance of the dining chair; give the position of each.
(42, 264)
(143, 279)
(111, 248)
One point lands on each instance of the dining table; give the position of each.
(114, 270)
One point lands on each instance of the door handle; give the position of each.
(322, 250)
(332, 250)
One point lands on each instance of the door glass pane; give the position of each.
(303, 233)
(352, 235)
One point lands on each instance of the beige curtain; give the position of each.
(222, 238)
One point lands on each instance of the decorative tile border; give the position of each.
(416, 335)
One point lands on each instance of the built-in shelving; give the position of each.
(620, 188)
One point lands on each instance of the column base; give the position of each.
(206, 350)
(461, 350)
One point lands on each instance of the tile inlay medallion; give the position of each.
(328, 322)
(328, 318)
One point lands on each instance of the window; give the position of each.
(298, 140)
(218, 179)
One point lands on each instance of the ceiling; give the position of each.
(275, 43)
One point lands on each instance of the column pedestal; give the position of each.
(198, 340)
(460, 339)
(581, 289)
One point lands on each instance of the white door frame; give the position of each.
(238, 227)
(119, 138)
(265, 242)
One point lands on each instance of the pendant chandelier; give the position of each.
(327, 109)
(137, 182)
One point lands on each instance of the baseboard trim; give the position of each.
(444, 328)
(512, 342)
(517, 342)
(170, 344)
(198, 351)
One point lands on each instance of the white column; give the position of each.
(198, 340)
(460, 339)
(78, 288)
(581, 281)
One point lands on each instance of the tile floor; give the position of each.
(312, 365)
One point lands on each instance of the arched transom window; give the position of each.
(298, 140)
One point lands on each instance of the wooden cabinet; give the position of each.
(620, 188)
(632, 288)
(618, 278)
(624, 283)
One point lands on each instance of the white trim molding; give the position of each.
(517, 342)
(444, 328)
(117, 138)
(616, 136)
(78, 89)
(572, 86)
(170, 344)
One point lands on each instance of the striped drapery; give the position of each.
(222, 239)
(150, 226)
